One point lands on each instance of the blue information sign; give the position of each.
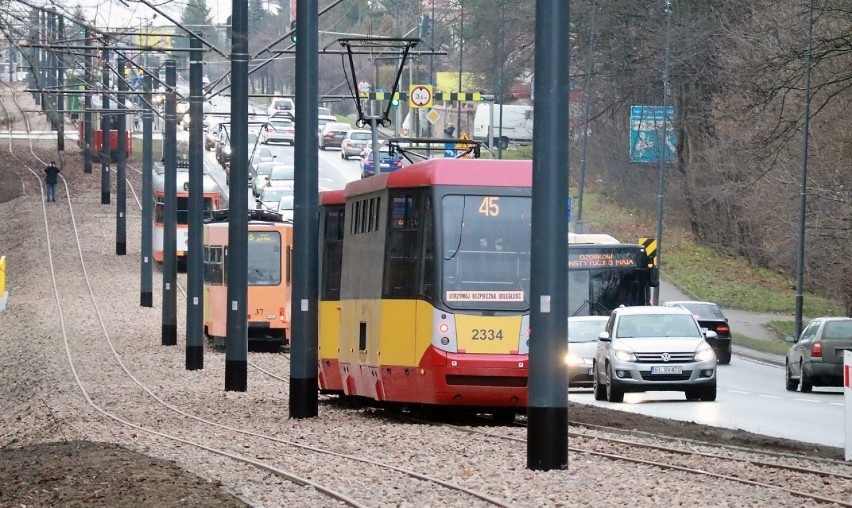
(646, 127)
(450, 150)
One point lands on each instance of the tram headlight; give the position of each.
(444, 327)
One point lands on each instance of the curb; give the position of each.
(759, 356)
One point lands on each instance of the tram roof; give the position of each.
(332, 197)
(451, 172)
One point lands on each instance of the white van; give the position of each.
(517, 124)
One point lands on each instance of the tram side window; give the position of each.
(213, 265)
(159, 212)
(182, 210)
(208, 207)
(402, 256)
(428, 275)
(332, 255)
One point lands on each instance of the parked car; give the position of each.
(261, 175)
(281, 106)
(322, 120)
(333, 134)
(654, 349)
(388, 162)
(212, 135)
(271, 197)
(711, 317)
(281, 176)
(278, 130)
(261, 154)
(285, 207)
(583, 332)
(355, 142)
(816, 357)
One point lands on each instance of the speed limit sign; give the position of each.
(420, 96)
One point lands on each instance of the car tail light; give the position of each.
(329, 134)
(723, 329)
(270, 128)
(816, 350)
(291, 131)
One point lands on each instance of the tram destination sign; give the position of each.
(603, 259)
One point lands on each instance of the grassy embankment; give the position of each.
(705, 272)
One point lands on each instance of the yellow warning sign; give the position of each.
(650, 245)
(461, 147)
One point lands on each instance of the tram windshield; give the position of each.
(264, 258)
(486, 251)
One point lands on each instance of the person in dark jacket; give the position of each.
(51, 172)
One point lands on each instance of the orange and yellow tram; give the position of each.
(270, 278)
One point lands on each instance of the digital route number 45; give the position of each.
(489, 206)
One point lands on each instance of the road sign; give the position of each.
(646, 126)
(433, 116)
(364, 86)
(464, 146)
(420, 96)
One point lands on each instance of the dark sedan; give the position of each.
(816, 358)
(710, 317)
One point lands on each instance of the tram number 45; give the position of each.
(489, 207)
(487, 334)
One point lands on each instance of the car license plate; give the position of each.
(671, 369)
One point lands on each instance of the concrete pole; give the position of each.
(170, 205)
(121, 156)
(87, 104)
(194, 257)
(146, 297)
(105, 129)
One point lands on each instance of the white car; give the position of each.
(649, 348)
(278, 130)
(285, 207)
(270, 198)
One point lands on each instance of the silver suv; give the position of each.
(654, 349)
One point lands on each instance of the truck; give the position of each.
(517, 124)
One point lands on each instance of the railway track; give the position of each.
(748, 467)
(284, 445)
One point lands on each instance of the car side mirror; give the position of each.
(710, 334)
(604, 337)
(790, 338)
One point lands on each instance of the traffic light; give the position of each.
(395, 100)
(293, 27)
(425, 26)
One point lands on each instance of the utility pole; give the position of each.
(236, 343)
(803, 194)
(105, 129)
(663, 147)
(121, 156)
(547, 405)
(461, 67)
(586, 100)
(170, 205)
(194, 257)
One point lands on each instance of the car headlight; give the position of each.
(572, 359)
(625, 356)
(227, 150)
(705, 354)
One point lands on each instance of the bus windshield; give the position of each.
(485, 252)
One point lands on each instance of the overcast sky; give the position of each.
(117, 14)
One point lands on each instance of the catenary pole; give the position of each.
(303, 350)
(587, 90)
(236, 342)
(547, 407)
(87, 103)
(146, 297)
(121, 157)
(194, 257)
(170, 206)
(105, 129)
(60, 78)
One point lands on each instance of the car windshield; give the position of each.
(360, 136)
(286, 203)
(835, 330)
(657, 325)
(274, 194)
(282, 173)
(264, 169)
(585, 331)
(281, 124)
(703, 310)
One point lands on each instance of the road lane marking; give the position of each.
(740, 392)
(769, 396)
(836, 404)
(808, 400)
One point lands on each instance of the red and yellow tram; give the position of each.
(98, 136)
(434, 285)
(331, 220)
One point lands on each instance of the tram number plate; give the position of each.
(671, 369)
